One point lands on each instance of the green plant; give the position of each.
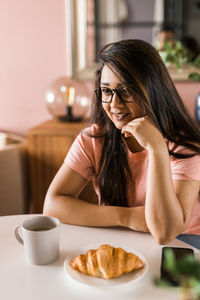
(179, 56)
(196, 62)
(194, 76)
(186, 271)
(176, 54)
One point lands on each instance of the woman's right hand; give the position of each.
(145, 132)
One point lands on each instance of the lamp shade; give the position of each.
(68, 99)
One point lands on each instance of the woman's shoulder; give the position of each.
(184, 168)
(86, 142)
(93, 131)
(179, 149)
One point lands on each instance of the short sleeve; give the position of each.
(186, 169)
(81, 156)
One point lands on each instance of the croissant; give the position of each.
(106, 262)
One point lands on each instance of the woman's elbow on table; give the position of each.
(164, 234)
(164, 238)
(59, 206)
(52, 205)
(47, 208)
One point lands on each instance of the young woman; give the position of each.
(141, 150)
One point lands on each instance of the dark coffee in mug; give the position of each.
(42, 228)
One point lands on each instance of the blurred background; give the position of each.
(47, 60)
(35, 44)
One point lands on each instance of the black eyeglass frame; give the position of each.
(112, 93)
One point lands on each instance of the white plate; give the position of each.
(94, 281)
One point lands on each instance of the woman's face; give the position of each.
(119, 112)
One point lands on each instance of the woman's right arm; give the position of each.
(61, 203)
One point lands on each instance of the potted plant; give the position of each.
(186, 272)
(179, 61)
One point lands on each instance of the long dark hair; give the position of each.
(141, 68)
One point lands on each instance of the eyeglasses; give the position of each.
(105, 94)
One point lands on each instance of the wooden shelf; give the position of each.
(48, 144)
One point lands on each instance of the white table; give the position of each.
(21, 280)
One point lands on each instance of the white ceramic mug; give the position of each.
(40, 237)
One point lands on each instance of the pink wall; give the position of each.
(188, 92)
(32, 54)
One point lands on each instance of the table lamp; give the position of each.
(68, 99)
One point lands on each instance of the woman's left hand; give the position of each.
(145, 132)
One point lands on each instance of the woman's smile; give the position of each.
(119, 116)
(120, 112)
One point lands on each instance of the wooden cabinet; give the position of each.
(48, 145)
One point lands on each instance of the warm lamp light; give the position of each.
(68, 99)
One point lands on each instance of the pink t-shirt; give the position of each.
(85, 153)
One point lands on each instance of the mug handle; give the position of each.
(18, 237)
